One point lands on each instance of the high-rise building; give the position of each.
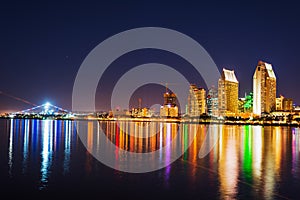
(170, 99)
(212, 102)
(284, 104)
(170, 108)
(228, 91)
(287, 104)
(196, 101)
(279, 103)
(241, 104)
(264, 89)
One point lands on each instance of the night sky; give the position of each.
(43, 44)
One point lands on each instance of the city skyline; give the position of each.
(222, 101)
(150, 99)
(42, 46)
(195, 95)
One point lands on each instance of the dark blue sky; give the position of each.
(42, 45)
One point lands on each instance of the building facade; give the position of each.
(279, 102)
(228, 89)
(196, 101)
(287, 104)
(212, 102)
(264, 89)
(170, 108)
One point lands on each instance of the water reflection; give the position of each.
(67, 150)
(10, 148)
(228, 163)
(295, 152)
(140, 140)
(255, 157)
(46, 153)
(250, 155)
(39, 143)
(269, 162)
(26, 145)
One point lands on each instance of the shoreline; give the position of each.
(169, 120)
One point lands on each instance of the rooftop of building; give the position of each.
(229, 75)
(269, 68)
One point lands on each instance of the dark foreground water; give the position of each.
(46, 159)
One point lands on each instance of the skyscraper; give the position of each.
(196, 101)
(170, 108)
(212, 102)
(287, 104)
(279, 103)
(264, 89)
(228, 92)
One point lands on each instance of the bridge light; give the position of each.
(47, 105)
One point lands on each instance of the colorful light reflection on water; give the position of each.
(246, 162)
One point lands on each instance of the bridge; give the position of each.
(43, 111)
(46, 110)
